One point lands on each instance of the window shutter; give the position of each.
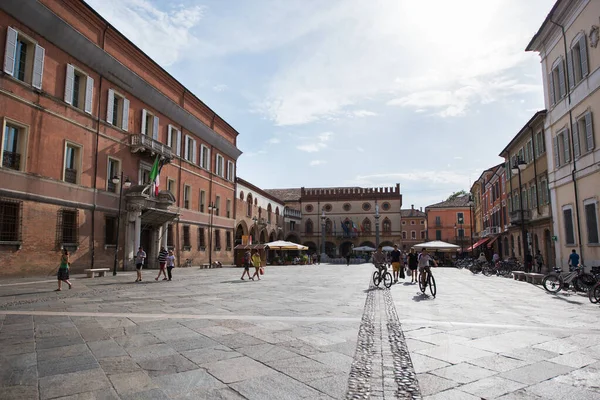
(89, 94)
(567, 148)
(38, 67)
(187, 143)
(178, 150)
(556, 154)
(169, 135)
(69, 81)
(144, 112)
(583, 53)
(194, 152)
(109, 106)
(155, 128)
(576, 151)
(536, 146)
(561, 80)
(125, 122)
(208, 161)
(589, 133)
(570, 69)
(11, 51)
(551, 85)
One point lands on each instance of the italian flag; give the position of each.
(155, 175)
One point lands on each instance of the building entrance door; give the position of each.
(146, 243)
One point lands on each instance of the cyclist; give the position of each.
(380, 259)
(425, 262)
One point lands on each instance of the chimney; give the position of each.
(412, 206)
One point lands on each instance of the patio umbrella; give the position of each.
(387, 248)
(284, 245)
(437, 245)
(364, 248)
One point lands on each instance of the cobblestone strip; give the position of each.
(401, 368)
(359, 382)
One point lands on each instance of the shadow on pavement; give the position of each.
(236, 281)
(421, 297)
(563, 298)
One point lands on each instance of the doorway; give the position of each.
(146, 243)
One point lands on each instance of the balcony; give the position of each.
(143, 143)
(70, 175)
(515, 217)
(11, 160)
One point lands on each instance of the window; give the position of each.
(438, 221)
(217, 240)
(117, 110)
(413, 234)
(577, 66)
(540, 145)
(144, 173)
(149, 124)
(189, 152)
(174, 139)
(79, 89)
(366, 206)
(556, 80)
(269, 212)
(346, 206)
(422, 222)
(24, 58)
(403, 222)
(438, 235)
(220, 166)
(309, 227)
(229, 209)
(10, 220)
(533, 196)
(228, 240)
(544, 192)
(568, 223)
(591, 220)
(460, 218)
(461, 233)
(524, 199)
(562, 148)
(171, 185)
(422, 234)
(403, 234)
(110, 230)
(412, 222)
(72, 163)
(583, 135)
(218, 205)
(366, 225)
(292, 225)
(201, 239)
(186, 238)
(14, 148)
(186, 197)
(113, 170)
(170, 236)
(67, 227)
(529, 152)
(249, 205)
(387, 226)
(202, 200)
(230, 171)
(205, 157)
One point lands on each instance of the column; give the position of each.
(138, 230)
(165, 234)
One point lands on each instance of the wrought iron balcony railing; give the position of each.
(11, 160)
(70, 175)
(141, 142)
(515, 216)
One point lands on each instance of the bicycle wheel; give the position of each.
(376, 278)
(552, 283)
(487, 271)
(584, 283)
(594, 294)
(422, 286)
(431, 283)
(387, 279)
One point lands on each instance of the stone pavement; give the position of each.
(302, 332)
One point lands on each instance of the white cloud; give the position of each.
(424, 177)
(363, 113)
(273, 140)
(163, 35)
(458, 158)
(220, 87)
(360, 149)
(317, 162)
(317, 144)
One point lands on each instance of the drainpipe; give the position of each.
(210, 187)
(574, 171)
(537, 195)
(95, 186)
(176, 230)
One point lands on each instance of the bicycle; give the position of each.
(555, 281)
(594, 292)
(382, 274)
(429, 281)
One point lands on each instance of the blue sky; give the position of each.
(352, 92)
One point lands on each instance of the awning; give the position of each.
(476, 245)
(489, 245)
(249, 247)
(154, 216)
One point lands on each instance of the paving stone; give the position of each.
(211, 394)
(585, 378)
(522, 394)
(166, 365)
(499, 363)
(60, 352)
(237, 369)
(106, 348)
(454, 354)
(508, 341)
(153, 394)
(303, 348)
(103, 394)
(333, 359)
(92, 335)
(175, 385)
(19, 361)
(275, 387)
(137, 340)
(552, 390)
(191, 343)
(49, 343)
(10, 376)
(452, 394)
(491, 387)
(118, 365)
(267, 352)
(65, 365)
(576, 359)
(538, 372)
(444, 338)
(531, 354)
(150, 351)
(463, 373)
(215, 331)
(238, 340)
(72, 383)
(335, 386)
(132, 382)
(173, 334)
(21, 348)
(560, 346)
(18, 392)
(210, 354)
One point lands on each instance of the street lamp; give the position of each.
(255, 235)
(211, 209)
(323, 233)
(516, 169)
(126, 184)
(376, 224)
(471, 219)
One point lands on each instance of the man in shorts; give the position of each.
(139, 263)
(413, 263)
(380, 259)
(395, 257)
(425, 263)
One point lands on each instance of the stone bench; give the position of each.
(519, 275)
(93, 272)
(534, 278)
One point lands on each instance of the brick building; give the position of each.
(80, 104)
(414, 227)
(450, 221)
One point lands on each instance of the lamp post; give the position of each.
(211, 209)
(376, 224)
(471, 219)
(255, 220)
(126, 184)
(323, 233)
(516, 169)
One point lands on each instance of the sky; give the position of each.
(368, 93)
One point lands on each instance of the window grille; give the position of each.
(201, 239)
(217, 240)
(186, 238)
(11, 214)
(67, 228)
(110, 231)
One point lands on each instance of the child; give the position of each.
(170, 263)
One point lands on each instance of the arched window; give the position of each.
(242, 195)
(403, 234)
(277, 215)
(387, 226)
(309, 227)
(366, 225)
(269, 211)
(249, 205)
(328, 226)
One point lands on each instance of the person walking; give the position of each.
(63, 270)
(539, 260)
(573, 260)
(247, 261)
(528, 262)
(348, 258)
(162, 262)
(257, 262)
(139, 263)
(413, 264)
(395, 257)
(170, 264)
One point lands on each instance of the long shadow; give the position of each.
(28, 293)
(422, 297)
(558, 297)
(236, 281)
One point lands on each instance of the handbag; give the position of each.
(262, 271)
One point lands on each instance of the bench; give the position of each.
(519, 275)
(93, 272)
(534, 278)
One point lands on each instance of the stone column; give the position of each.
(165, 234)
(138, 231)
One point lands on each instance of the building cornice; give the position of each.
(538, 117)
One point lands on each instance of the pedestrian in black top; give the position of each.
(162, 261)
(413, 264)
(348, 258)
(397, 267)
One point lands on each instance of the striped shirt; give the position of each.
(162, 256)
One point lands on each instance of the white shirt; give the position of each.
(424, 260)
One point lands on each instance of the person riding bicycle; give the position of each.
(425, 263)
(380, 259)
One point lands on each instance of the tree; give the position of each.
(454, 195)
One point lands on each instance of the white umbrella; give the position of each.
(437, 245)
(387, 248)
(284, 245)
(364, 248)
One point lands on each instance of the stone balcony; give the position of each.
(515, 217)
(145, 144)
